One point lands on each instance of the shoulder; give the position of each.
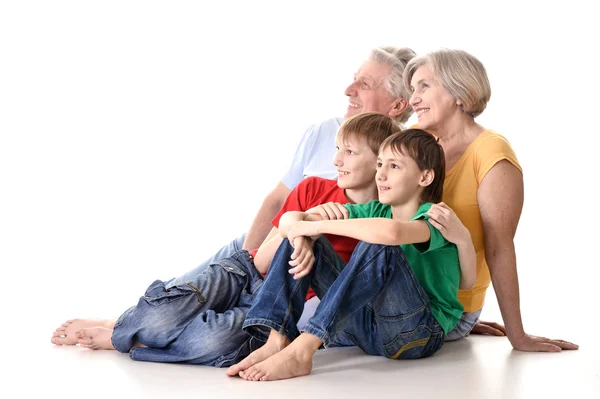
(491, 142)
(491, 148)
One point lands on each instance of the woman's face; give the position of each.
(433, 105)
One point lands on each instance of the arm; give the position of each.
(443, 218)
(500, 197)
(261, 226)
(266, 251)
(382, 231)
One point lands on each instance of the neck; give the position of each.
(407, 209)
(362, 195)
(459, 128)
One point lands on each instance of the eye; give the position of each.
(394, 166)
(425, 85)
(379, 165)
(350, 152)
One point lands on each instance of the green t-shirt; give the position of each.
(434, 263)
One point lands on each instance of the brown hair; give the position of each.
(424, 149)
(370, 127)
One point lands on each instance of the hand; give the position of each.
(443, 218)
(489, 328)
(330, 211)
(303, 257)
(531, 343)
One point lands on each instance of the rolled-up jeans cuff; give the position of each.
(258, 329)
(317, 332)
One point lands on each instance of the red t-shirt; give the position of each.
(309, 193)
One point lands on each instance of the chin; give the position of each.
(351, 112)
(383, 201)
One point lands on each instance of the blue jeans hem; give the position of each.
(317, 332)
(252, 327)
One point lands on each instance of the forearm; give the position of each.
(503, 270)
(372, 230)
(468, 264)
(266, 252)
(289, 219)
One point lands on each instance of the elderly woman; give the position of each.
(484, 186)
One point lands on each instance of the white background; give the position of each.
(137, 137)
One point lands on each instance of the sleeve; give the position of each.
(436, 239)
(298, 199)
(295, 173)
(492, 150)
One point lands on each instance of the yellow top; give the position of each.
(460, 193)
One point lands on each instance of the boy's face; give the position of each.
(398, 177)
(355, 163)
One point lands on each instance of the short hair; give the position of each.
(425, 150)
(371, 128)
(462, 75)
(397, 58)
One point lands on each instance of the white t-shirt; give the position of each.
(314, 155)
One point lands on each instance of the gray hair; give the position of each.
(397, 58)
(462, 75)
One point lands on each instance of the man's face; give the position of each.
(367, 93)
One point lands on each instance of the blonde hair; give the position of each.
(462, 75)
(371, 128)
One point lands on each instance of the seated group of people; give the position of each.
(393, 244)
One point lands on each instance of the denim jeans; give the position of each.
(464, 325)
(199, 321)
(375, 301)
(225, 252)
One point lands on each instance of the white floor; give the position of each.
(475, 367)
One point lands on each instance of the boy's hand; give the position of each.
(443, 218)
(330, 211)
(303, 257)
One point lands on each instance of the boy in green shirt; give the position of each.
(397, 297)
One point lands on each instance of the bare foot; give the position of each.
(275, 343)
(293, 361)
(66, 333)
(95, 338)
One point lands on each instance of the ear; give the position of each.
(398, 106)
(427, 177)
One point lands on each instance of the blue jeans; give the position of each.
(375, 301)
(464, 326)
(197, 322)
(225, 252)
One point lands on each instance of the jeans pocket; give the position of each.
(230, 267)
(412, 344)
(158, 294)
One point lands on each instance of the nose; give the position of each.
(415, 99)
(337, 159)
(351, 90)
(380, 175)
